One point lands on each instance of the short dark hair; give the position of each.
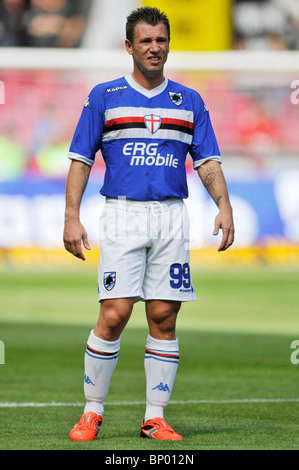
(148, 15)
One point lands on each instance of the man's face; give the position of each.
(150, 48)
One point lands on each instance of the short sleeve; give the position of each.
(204, 143)
(88, 134)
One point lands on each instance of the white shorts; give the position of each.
(144, 251)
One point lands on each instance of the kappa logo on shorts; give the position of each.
(109, 280)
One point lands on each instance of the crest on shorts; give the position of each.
(176, 98)
(109, 280)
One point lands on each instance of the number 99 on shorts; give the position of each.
(180, 276)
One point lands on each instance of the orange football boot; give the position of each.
(157, 428)
(87, 428)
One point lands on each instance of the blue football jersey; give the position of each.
(144, 137)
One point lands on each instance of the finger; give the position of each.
(80, 255)
(75, 249)
(85, 241)
(216, 228)
(227, 240)
(223, 243)
(78, 251)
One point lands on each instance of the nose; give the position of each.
(155, 46)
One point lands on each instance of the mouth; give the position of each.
(154, 60)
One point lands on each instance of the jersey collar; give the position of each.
(148, 93)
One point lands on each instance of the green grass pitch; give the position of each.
(236, 387)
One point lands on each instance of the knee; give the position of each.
(115, 315)
(162, 319)
(112, 319)
(160, 310)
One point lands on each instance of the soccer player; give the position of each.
(144, 125)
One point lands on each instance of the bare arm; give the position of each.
(74, 232)
(213, 180)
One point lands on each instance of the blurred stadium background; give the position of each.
(241, 55)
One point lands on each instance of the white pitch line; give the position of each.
(132, 403)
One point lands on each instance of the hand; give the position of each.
(224, 221)
(73, 237)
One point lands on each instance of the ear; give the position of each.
(129, 47)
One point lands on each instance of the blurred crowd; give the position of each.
(266, 24)
(256, 24)
(43, 23)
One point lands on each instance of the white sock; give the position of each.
(160, 363)
(100, 361)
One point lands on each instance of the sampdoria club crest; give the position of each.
(109, 280)
(176, 98)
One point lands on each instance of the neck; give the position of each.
(149, 82)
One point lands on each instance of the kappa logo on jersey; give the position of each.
(118, 88)
(152, 122)
(87, 103)
(109, 280)
(176, 98)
